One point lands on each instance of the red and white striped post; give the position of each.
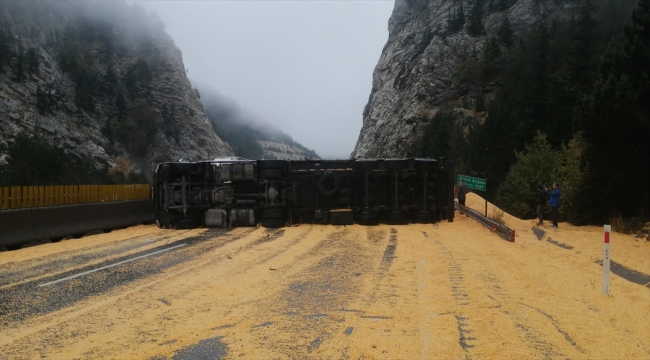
(606, 259)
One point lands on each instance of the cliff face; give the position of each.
(419, 64)
(102, 80)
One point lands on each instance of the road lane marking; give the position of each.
(108, 266)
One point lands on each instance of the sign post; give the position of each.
(606, 259)
(476, 184)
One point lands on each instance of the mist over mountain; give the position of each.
(247, 133)
(97, 81)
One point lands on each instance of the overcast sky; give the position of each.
(303, 65)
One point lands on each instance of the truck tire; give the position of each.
(396, 164)
(366, 219)
(273, 218)
(397, 218)
(321, 183)
(272, 223)
(425, 217)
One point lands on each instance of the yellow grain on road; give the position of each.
(447, 290)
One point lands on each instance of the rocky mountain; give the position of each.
(250, 136)
(101, 80)
(419, 68)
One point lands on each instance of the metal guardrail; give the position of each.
(500, 229)
(24, 197)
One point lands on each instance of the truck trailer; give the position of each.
(233, 191)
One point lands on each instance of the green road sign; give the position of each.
(473, 183)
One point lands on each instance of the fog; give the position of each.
(305, 66)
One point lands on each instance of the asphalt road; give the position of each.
(447, 290)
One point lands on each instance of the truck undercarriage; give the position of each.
(234, 192)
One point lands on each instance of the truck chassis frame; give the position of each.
(230, 192)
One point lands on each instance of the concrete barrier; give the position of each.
(16, 227)
(54, 222)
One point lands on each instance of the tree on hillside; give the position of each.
(32, 61)
(32, 160)
(583, 62)
(505, 33)
(616, 122)
(491, 145)
(456, 18)
(541, 165)
(441, 136)
(6, 48)
(475, 19)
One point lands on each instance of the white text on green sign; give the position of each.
(473, 183)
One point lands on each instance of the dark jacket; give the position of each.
(542, 195)
(462, 191)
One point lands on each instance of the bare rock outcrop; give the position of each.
(419, 64)
(101, 80)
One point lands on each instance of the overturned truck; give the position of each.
(230, 192)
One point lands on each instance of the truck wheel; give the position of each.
(272, 223)
(273, 213)
(425, 218)
(321, 183)
(396, 164)
(367, 219)
(397, 218)
(273, 218)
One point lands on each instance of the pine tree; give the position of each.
(32, 61)
(504, 32)
(616, 122)
(475, 19)
(120, 107)
(19, 69)
(456, 18)
(583, 64)
(6, 43)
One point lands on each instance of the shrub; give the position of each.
(540, 164)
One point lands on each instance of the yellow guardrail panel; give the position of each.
(5, 198)
(19, 197)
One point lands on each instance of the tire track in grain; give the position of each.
(466, 339)
(534, 338)
(306, 314)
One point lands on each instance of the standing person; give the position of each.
(540, 199)
(462, 192)
(554, 203)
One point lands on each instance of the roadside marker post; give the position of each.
(606, 258)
